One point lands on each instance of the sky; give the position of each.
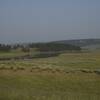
(48, 20)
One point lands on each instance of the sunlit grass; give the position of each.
(66, 61)
(70, 76)
(25, 86)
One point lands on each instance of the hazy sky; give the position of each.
(47, 20)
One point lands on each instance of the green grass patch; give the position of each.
(43, 79)
(44, 86)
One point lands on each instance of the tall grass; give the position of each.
(70, 76)
(48, 86)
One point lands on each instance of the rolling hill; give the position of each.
(90, 44)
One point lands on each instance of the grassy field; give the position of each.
(67, 61)
(69, 76)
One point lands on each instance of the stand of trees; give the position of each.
(41, 47)
(43, 50)
(54, 47)
(5, 48)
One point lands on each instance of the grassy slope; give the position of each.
(44, 86)
(68, 61)
(26, 85)
(11, 54)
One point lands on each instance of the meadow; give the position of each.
(69, 76)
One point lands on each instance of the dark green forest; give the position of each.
(42, 47)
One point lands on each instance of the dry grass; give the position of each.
(69, 76)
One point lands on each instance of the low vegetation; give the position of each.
(68, 76)
(49, 86)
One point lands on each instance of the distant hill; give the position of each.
(83, 43)
(52, 46)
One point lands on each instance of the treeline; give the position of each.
(46, 47)
(5, 48)
(42, 47)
